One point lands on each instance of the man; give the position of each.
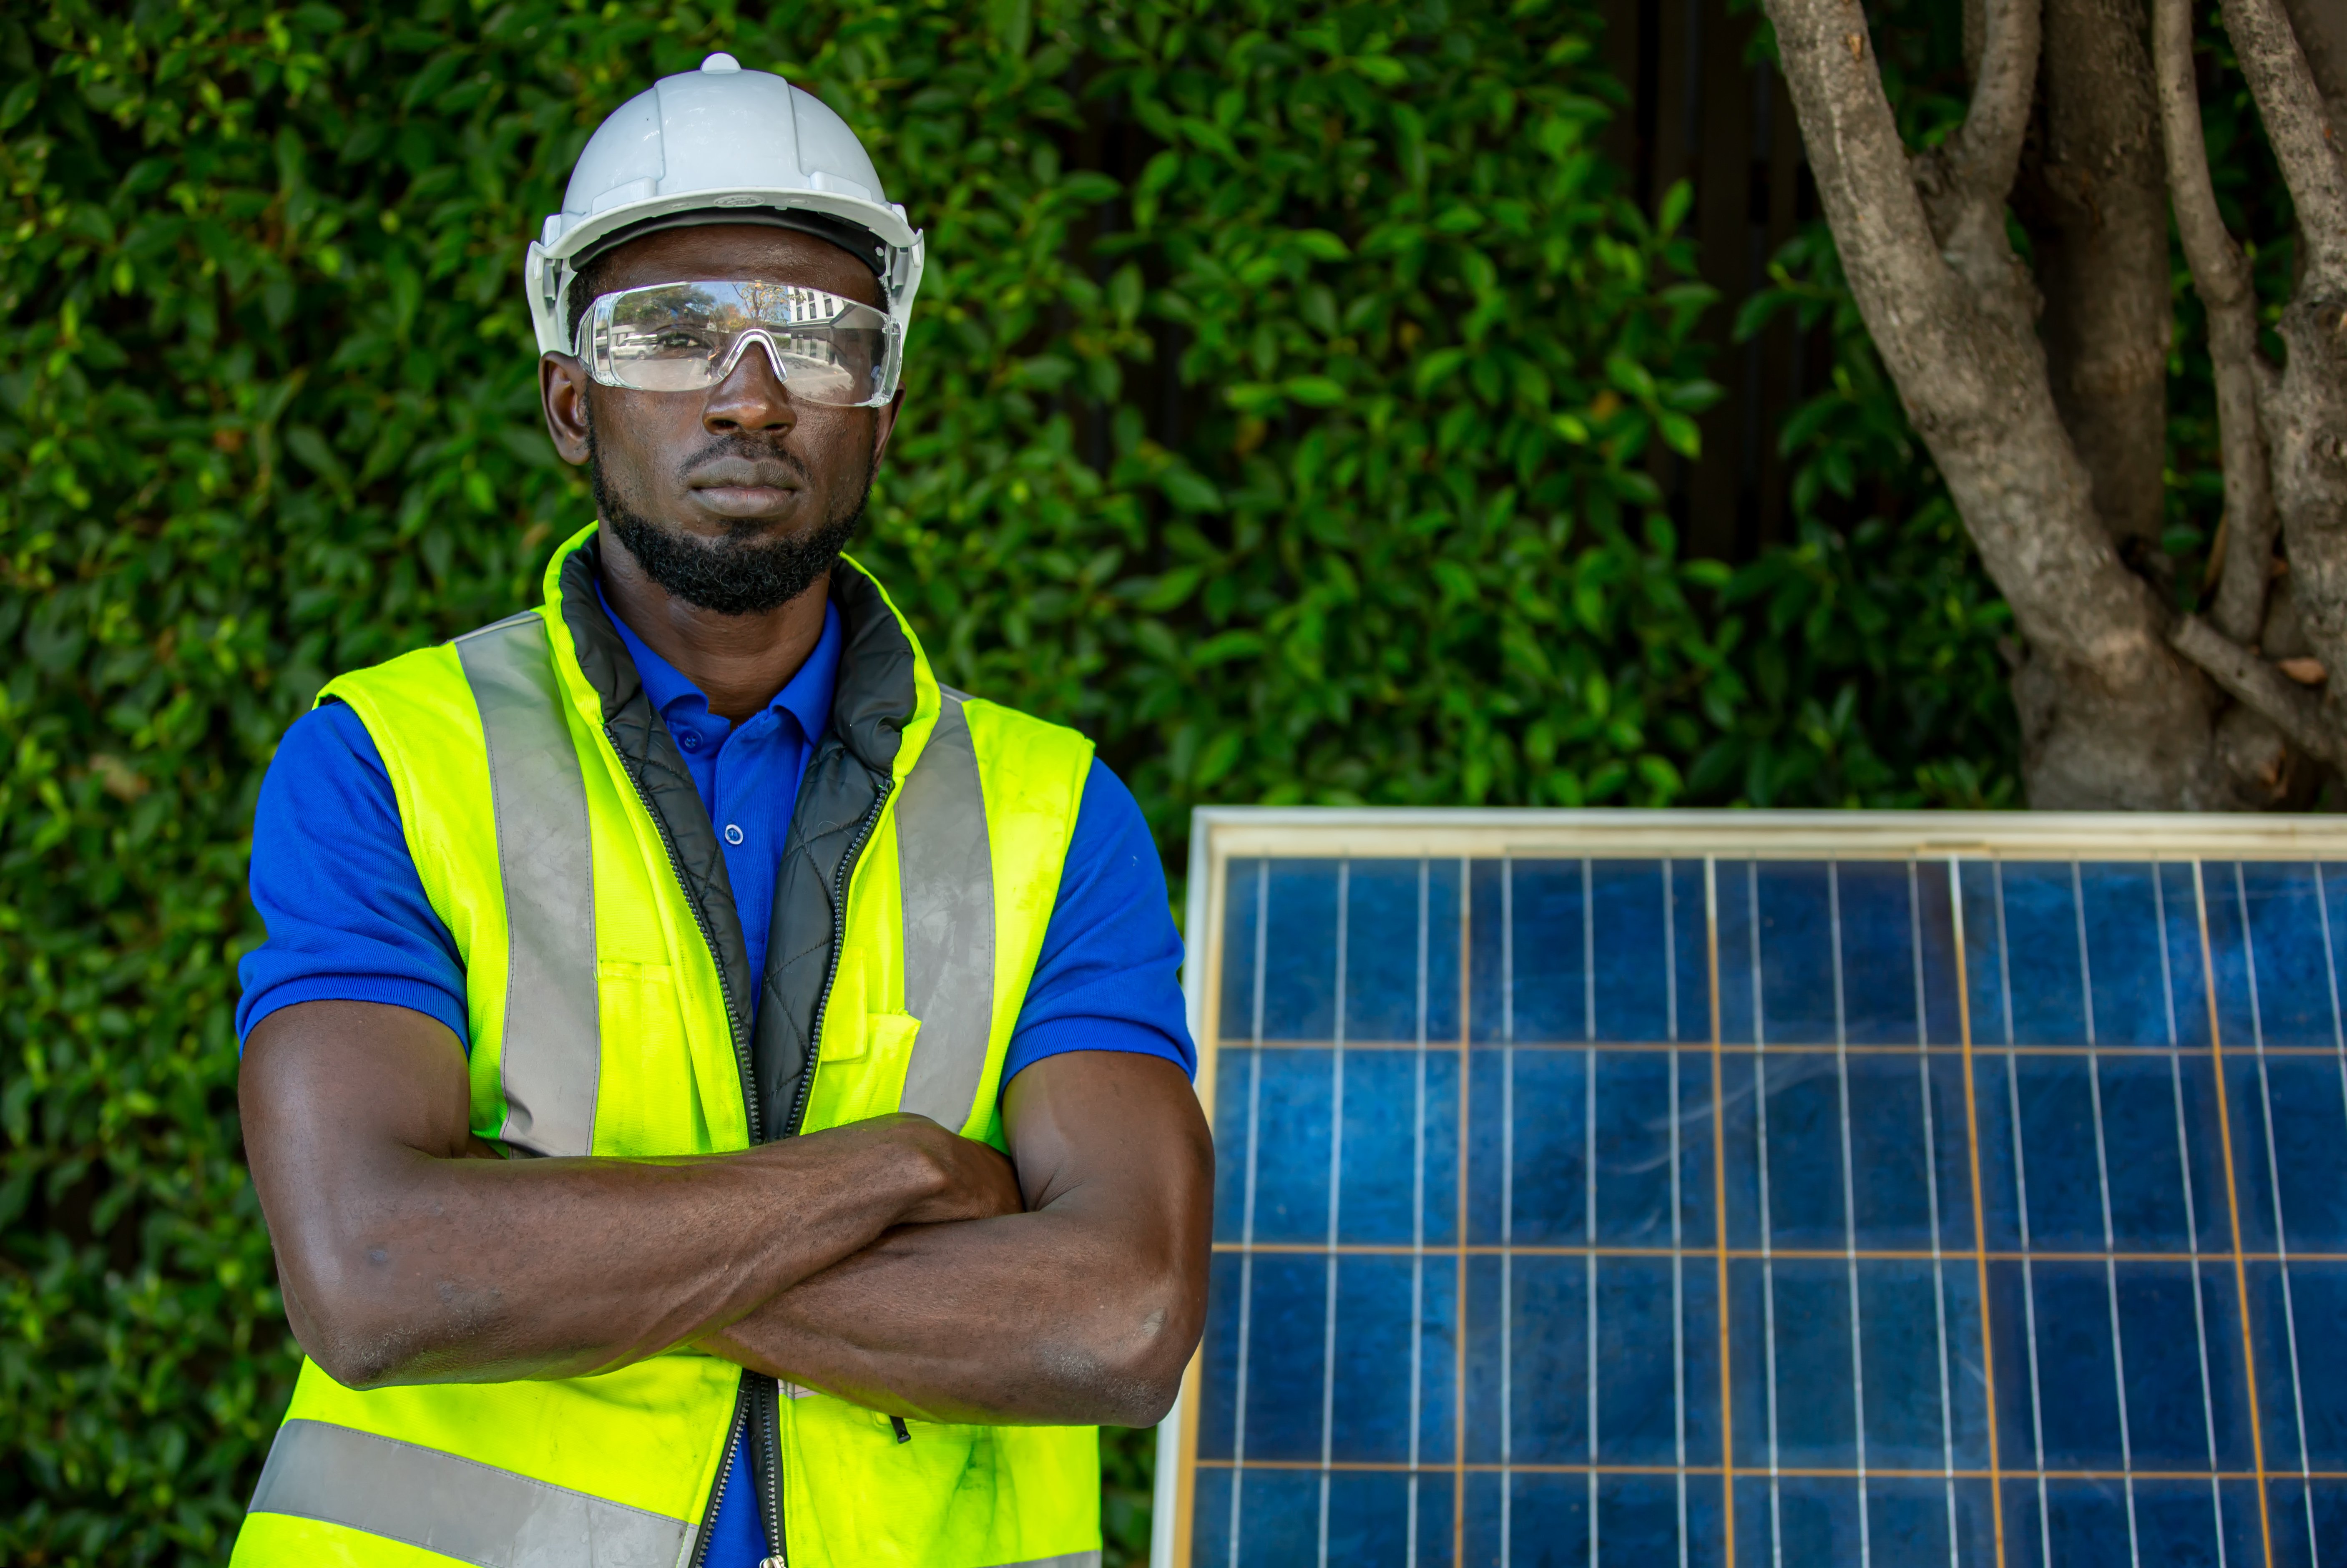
(657, 981)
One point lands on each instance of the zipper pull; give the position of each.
(772, 1562)
(904, 1433)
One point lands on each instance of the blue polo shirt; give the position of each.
(347, 919)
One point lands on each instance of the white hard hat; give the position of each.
(719, 145)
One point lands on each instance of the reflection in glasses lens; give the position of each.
(685, 337)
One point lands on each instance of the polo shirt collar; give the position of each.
(805, 697)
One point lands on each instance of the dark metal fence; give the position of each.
(1700, 111)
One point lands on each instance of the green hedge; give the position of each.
(1282, 408)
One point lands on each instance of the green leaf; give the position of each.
(1318, 391)
(1191, 491)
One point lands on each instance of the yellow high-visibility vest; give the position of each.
(607, 995)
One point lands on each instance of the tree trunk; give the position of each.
(2112, 716)
(2094, 196)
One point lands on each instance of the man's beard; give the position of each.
(745, 572)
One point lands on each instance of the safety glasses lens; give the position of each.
(687, 337)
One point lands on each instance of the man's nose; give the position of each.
(751, 397)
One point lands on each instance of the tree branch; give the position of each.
(2262, 689)
(2221, 275)
(2297, 128)
(1988, 146)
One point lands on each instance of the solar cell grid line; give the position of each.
(2233, 1214)
(1719, 1209)
(1247, 1229)
(1418, 1218)
(2021, 1188)
(1679, 1216)
(1459, 1335)
(2281, 1232)
(1848, 1208)
(2103, 1191)
(1931, 1190)
(1768, 1219)
(1589, 1181)
(1336, 1197)
(1980, 1213)
(1507, 1209)
(2192, 1211)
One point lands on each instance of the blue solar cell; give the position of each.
(2308, 1128)
(1242, 927)
(1287, 1320)
(1636, 1137)
(2156, 1116)
(1635, 975)
(1299, 984)
(1547, 1185)
(1911, 1053)
(1279, 1519)
(1292, 1127)
(1546, 986)
(1396, 918)
(1795, 967)
(2126, 963)
(1641, 1347)
(1912, 1380)
(1383, 1167)
(2043, 941)
(2295, 995)
(2170, 1381)
(1374, 1328)
(1882, 954)
(1906, 1129)
(1546, 1361)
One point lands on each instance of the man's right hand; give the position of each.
(407, 1257)
(972, 1180)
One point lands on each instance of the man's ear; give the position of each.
(562, 392)
(887, 426)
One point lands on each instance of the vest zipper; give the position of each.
(709, 939)
(838, 936)
(724, 1477)
(749, 1388)
(773, 1477)
(763, 1394)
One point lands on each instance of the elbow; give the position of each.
(350, 1333)
(349, 1343)
(1138, 1364)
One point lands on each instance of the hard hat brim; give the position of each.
(548, 270)
(883, 222)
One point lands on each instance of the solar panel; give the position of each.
(1755, 1188)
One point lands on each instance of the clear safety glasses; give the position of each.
(687, 337)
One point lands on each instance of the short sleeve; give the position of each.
(335, 887)
(1109, 976)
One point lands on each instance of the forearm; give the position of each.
(1046, 1318)
(405, 1257)
(438, 1270)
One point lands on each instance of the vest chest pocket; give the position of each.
(658, 1084)
(861, 1073)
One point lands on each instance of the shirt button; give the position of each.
(732, 833)
(689, 740)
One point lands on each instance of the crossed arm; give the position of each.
(890, 1262)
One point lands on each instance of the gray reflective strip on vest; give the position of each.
(1064, 1560)
(947, 872)
(552, 1052)
(457, 1507)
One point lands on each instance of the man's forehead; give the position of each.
(747, 251)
